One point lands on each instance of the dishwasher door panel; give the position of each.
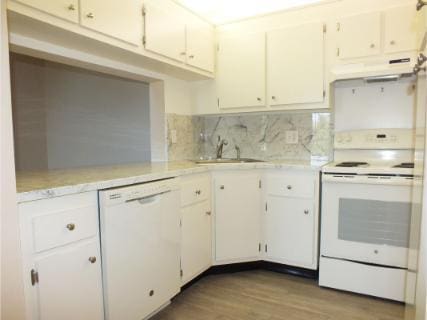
(141, 257)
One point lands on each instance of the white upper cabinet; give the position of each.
(359, 36)
(241, 71)
(118, 19)
(65, 9)
(400, 29)
(295, 62)
(164, 32)
(200, 44)
(175, 33)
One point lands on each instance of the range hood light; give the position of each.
(387, 78)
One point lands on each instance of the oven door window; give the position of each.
(374, 222)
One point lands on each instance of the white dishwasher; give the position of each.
(140, 242)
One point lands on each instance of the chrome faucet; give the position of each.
(237, 151)
(220, 147)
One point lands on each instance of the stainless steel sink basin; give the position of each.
(223, 160)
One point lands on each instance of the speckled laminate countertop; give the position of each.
(36, 185)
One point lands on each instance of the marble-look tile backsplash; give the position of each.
(260, 136)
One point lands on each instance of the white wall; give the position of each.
(177, 96)
(12, 297)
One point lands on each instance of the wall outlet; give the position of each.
(291, 136)
(174, 138)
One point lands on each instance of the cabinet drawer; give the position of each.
(195, 189)
(60, 228)
(292, 184)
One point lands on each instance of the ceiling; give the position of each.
(225, 11)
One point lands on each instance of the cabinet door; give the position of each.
(359, 36)
(196, 243)
(200, 44)
(237, 216)
(400, 29)
(164, 32)
(65, 9)
(241, 71)
(291, 53)
(289, 231)
(118, 19)
(70, 285)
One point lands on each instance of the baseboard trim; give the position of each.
(254, 265)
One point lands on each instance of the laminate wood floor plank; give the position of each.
(264, 295)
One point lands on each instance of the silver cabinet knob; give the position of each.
(273, 97)
(151, 293)
(392, 42)
(306, 211)
(222, 187)
(182, 53)
(92, 259)
(372, 45)
(90, 15)
(289, 187)
(198, 192)
(376, 251)
(259, 99)
(71, 226)
(208, 213)
(71, 7)
(191, 56)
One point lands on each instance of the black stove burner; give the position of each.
(408, 165)
(351, 164)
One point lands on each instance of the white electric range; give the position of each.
(366, 213)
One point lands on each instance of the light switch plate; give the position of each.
(291, 136)
(174, 138)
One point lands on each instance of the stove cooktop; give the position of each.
(369, 168)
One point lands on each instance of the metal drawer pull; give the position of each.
(306, 211)
(208, 213)
(199, 192)
(71, 7)
(222, 187)
(289, 187)
(71, 226)
(90, 15)
(421, 4)
(92, 259)
(151, 293)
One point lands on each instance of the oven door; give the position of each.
(366, 219)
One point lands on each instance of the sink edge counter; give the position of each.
(37, 185)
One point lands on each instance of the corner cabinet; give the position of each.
(237, 216)
(291, 217)
(241, 71)
(174, 33)
(61, 258)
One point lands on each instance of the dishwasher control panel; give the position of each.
(133, 192)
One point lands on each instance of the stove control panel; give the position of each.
(375, 139)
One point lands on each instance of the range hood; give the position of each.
(378, 70)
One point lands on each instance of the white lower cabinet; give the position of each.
(237, 216)
(69, 285)
(291, 218)
(61, 258)
(196, 226)
(196, 241)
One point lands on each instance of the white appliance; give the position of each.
(140, 242)
(366, 213)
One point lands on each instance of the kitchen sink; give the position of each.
(225, 160)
